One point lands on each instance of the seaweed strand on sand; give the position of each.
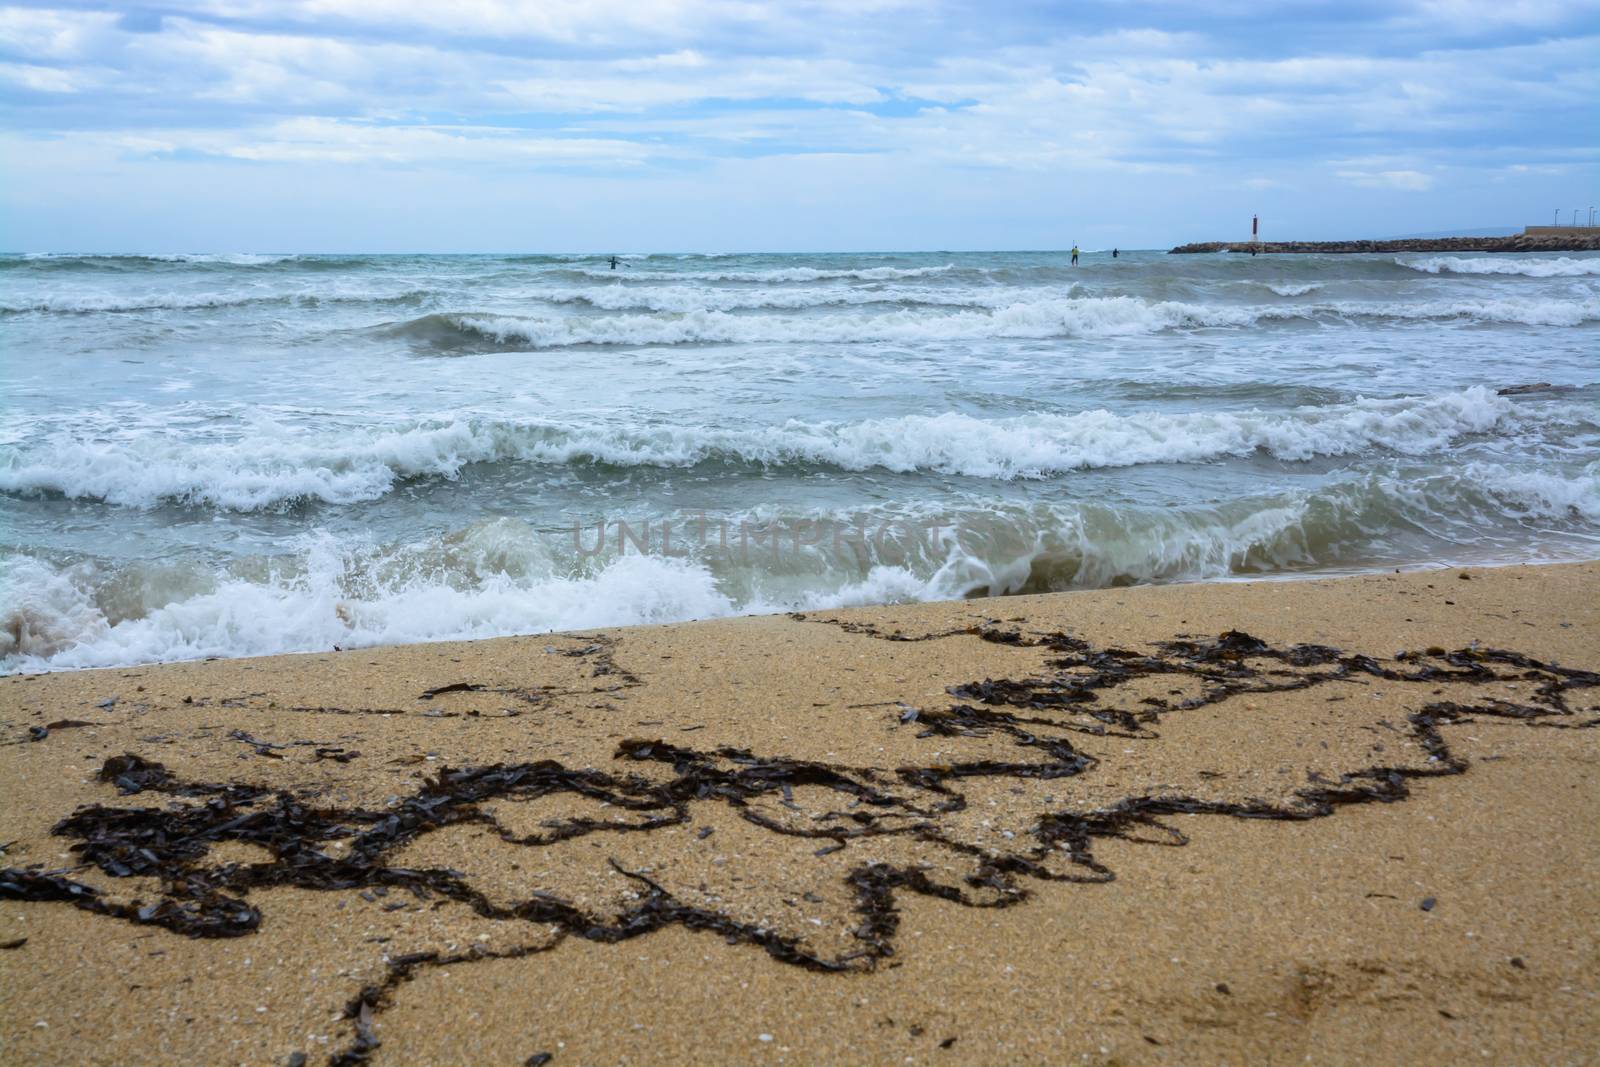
(323, 848)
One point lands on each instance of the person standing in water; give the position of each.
(613, 262)
(1074, 254)
(1115, 253)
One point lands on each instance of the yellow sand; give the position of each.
(1262, 941)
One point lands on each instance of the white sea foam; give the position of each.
(265, 467)
(1561, 267)
(86, 303)
(686, 298)
(775, 275)
(237, 259)
(501, 577)
(93, 302)
(1037, 319)
(1539, 495)
(1525, 311)
(162, 410)
(1099, 317)
(55, 623)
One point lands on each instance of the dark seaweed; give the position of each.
(453, 687)
(171, 844)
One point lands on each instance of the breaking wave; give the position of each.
(1041, 319)
(131, 261)
(285, 475)
(232, 259)
(93, 303)
(502, 577)
(1561, 267)
(266, 468)
(684, 299)
(776, 275)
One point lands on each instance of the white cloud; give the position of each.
(663, 88)
(287, 70)
(588, 23)
(640, 84)
(54, 35)
(316, 140)
(1478, 16)
(45, 79)
(1411, 181)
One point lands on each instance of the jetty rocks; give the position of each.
(1578, 241)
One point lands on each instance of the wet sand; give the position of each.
(1330, 822)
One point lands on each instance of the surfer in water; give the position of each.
(613, 262)
(1115, 253)
(1074, 255)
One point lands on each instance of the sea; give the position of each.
(216, 455)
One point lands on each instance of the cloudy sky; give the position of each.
(385, 125)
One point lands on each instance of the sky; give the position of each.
(800, 125)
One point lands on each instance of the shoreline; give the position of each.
(740, 839)
(1274, 578)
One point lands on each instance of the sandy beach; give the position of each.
(722, 533)
(1333, 821)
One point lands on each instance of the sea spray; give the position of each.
(505, 576)
(1560, 267)
(251, 452)
(1099, 317)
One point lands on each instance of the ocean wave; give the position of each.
(325, 597)
(1523, 311)
(501, 577)
(234, 259)
(775, 275)
(683, 299)
(95, 303)
(1290, 289)
(133, 261)
(1040, 319)
(266, 468)
(584, 257)
(1561, 267)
